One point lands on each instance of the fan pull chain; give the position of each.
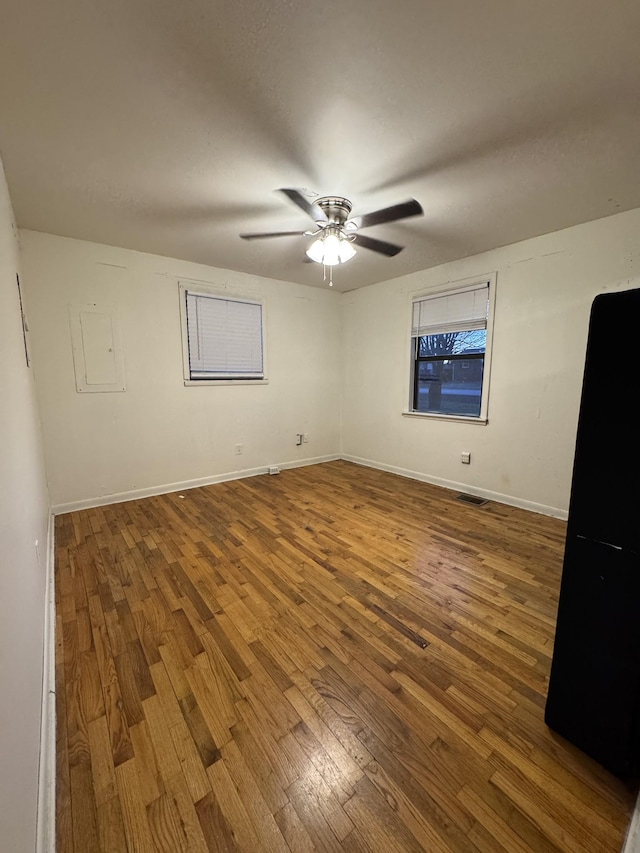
(324, 274)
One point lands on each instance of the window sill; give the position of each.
(458, 418)
(192, 383)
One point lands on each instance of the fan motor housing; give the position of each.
(335, 208)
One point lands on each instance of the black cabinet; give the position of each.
(594, 689)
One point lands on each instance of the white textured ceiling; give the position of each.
(166, 125)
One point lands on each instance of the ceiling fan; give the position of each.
(336, 234)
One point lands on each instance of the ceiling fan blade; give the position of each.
(311, 210)
(381, 246)
(273, 234)
(411, 207)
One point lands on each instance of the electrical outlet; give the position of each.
(298, 439)
(305, 437)
(239, 448)
(465, 457)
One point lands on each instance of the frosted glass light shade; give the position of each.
(316, 251)
(346, 250)
(329, 249)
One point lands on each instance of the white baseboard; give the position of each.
(46, 814)
(555, 512)
(632, 841)
(136, 494)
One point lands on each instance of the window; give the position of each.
(223, 338)
(450, 345)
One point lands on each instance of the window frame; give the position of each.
(446, 290)
(197, 289)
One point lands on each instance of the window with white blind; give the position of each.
(450, 350)
(223, 338)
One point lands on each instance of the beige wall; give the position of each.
(338, 366)
(23, 521)
(158, 434)
(524, 455)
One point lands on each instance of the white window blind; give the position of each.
(451, 312)
(225, 337)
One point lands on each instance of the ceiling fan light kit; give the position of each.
(336, 234)
(331, 247)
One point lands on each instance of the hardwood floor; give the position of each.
(330, 659)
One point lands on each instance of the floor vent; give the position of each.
(471, 499)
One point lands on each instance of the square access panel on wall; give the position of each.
(98, 359)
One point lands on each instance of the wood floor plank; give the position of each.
(217, 831)
(345, 764)
(315, 777)
(293, 830)
(111, 832)
(160, 735)
(379, 823)
(259, 814)
(498, 830)
(83, 809)
(134, 813)
(336, 659)
(167, 831)
(149, 778)
(270, 781)
(189, 822)
(418, 813)
(102, 768)
(334, 714)
(200, 733)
